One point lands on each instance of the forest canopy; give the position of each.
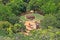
(12, 19)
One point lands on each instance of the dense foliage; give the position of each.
(51, 20)
(12, 23)
(40, 34)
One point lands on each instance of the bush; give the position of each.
(34, 5)
(58, 20)
(41, 34)
(18, 27)
(49, 7)
(6, 38)
(49, 20)
(13, 19)
(45, 34)
(17, 6)
(4, 10)
(5, 27)
(7, 15)
(8, 29)
(5, 1)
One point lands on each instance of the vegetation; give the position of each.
(12, 22)
(40, 34)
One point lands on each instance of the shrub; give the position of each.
(18, 27)
(34, 5)
(6, 38)
(17, 6)
(49, 7)
(13, 19)
(4, 10)
(5, 1)
(41, 34)
(49, 20)
(5, 26)
(58, 20)
(7, 15)
(45, 34)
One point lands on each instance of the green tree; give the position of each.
(33, 5)
(5, 27)
(49, 20)
(7, 15)
(17, 6)
(58, 19)
(49, 7)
